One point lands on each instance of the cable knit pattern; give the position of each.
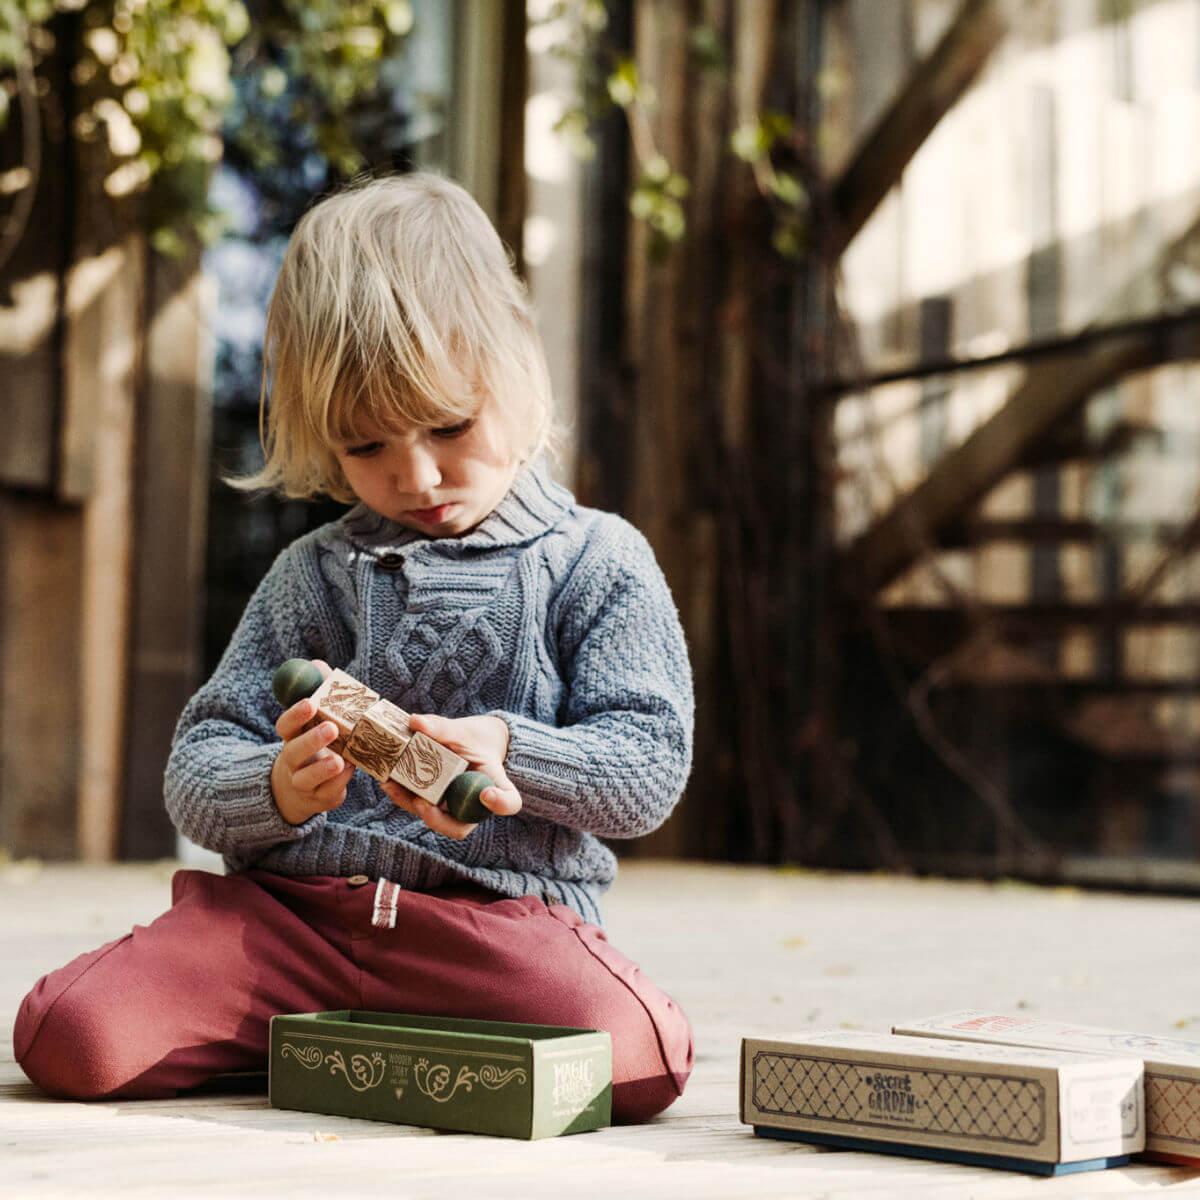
(552, 616)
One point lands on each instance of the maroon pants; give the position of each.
(190, 996)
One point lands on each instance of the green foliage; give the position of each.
(758, 143)
(656, 200)
(155, 83)
(753, 142)
(608, 80)
(704, 46)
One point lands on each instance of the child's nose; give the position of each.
(416, 471)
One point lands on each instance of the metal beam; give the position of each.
(1051, 392)
(931, 91)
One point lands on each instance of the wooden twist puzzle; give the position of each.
(374, 735)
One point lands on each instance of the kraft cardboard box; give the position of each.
(495, 1077)
(1172, 1066)
(1049, 1112)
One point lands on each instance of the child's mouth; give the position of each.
(430, 516)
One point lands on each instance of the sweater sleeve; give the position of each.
(218, 776)
(617, 763)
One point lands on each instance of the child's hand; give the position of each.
(483, 742)
(307, 778)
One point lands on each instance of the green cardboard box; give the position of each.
(509, 1080)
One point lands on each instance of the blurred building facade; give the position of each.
(1026, 520)
(922, 472)
(927, 495)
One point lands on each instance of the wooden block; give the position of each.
(1172, 1065)
(379, 739)
(1038, 1110)
(426, 767)
(342, 700)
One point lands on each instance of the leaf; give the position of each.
(677, 186)
(704, 44)
(746, 142)
(623, 83)
(656, 169)
(398, 16)
(787, 188)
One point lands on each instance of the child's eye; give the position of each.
(453, 431)
(363, 451)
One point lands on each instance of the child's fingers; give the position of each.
(333, 791)
(440, 821)
(303, 748)
(321, 770)
(401, 797)
(502, 798)
(294, 719)
(437, 728)
(436, 818)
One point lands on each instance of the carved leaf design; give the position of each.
(420, 761)
(348, 700)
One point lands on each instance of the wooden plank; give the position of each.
(1101, 530)
(40, 549)
(869, 49)
(931, 91)
(881, 49)
(30, 385)
(171, 507)
(31, 297)
(103, 337)
(554, 210)
(103, 304)
(1057, 614)
(74, 327)
(660, 433)
(512, 183)
(486, 128)
(605, 374)
(936, 319)
(799, 950)
(1044, 289)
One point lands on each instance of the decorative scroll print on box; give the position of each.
(501, 1078)
(434, 1080)
(363, 1073)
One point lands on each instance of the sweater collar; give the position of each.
(533, 503)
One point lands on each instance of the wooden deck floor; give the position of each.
(745, 951)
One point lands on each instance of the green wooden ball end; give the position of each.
(294, 680)
(461, 797)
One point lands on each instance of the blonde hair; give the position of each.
(396, 305)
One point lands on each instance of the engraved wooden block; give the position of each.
(379, 739)
(342, 700)
(426, 767)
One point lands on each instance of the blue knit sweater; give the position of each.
(552, 616)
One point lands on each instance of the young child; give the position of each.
(535, 637)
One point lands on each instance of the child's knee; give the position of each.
(67, 1045)
(650, 1069)
(651, 1035)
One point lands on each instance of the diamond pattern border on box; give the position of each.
(1173, 1108)
(965, 1104)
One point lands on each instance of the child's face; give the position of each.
(441, 482)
